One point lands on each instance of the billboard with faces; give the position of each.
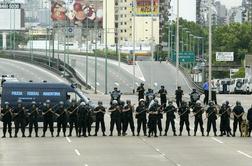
(82, 13)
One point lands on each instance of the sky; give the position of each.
(188, 7)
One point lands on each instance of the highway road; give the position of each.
(123, 151)
(25, 72)
(162, 74)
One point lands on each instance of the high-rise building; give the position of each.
(221, 13)
(202, 12)
(247, 11)
(235, 15)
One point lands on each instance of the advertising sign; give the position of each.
(143, 7)
(83, 13)
(224, 56)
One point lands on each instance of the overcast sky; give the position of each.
(188, 7)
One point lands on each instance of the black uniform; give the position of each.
(48, 120)
(170, 116)
(159, 118)
(149, 96)
(184, 112)
(115, 119)
(225, 112)
(141, 119)
(73, 119)
(140, 91)
(153, 120)
(163, 97)
(6, 118)
(89, 120)
(99, 113)
(249, 118)
(211, 121)
(61, 120)
(238, 111)
(179, 94)
(19, 119)
(115, 95)
(127, 118)
(82, 119)
(33, 120)
(198, 111)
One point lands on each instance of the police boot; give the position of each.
(103, 134)
(215, 134)
(221, 134)
(15, 136)
(180, 134)
(249, 134)
(89, 134)
(233, 134)
(119, 134)
(111, 133)
(174, 134)
(57, 134)
(228, 134)
(145, 134)
(194, 133)
(52, 134)
(203, 134)
(43, 135)
(36, 135)
(23, 135)
(149, 135)
(189, 133)
(4, 136)
(84, 135)
(160, 133)
(138, 134)
(207, 134)
(10, 135)
(155, 135)
(64, 134)
(95, 134)
(69, 135)
(165, 134)
(29, 135)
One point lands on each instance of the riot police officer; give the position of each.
(170, 116)
(73, 118)
(198, 112)
(115, 115)
(115, 95)
(238, 112)
(149, 97)
(89, 119)
(140, 91)
(179, 94)
(6, 114)
(224, 114)
(61, 113)
(160, 111)
(33, 119)
(249, 118)
(152, 123)
(99, 114)
(163, 93)
(82, 119)
(19, 118)
(127, 118)
(194, 97)
(211, 118)
(48, 115)
(184, 112)
(141, 117)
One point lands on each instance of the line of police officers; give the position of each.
(79, 116)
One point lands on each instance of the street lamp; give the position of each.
(210, 49)
(177, 46)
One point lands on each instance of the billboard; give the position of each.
(11, 17)
(143, 7)
(83, 13)
(224, 56)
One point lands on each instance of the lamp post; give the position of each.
(106, 47)
(177, 46)
(210, 49)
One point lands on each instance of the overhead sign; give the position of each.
(224, 56)
(186, 57)
(10, 6)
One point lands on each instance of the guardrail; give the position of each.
(55, 65)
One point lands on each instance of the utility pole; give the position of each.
(210, 50)
(177, 46)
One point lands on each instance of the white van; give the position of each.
(240, 86)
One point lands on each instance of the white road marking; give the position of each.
(77, 152)
(219, 141)
(157, 150)
(86, 165)
(68, 139)
(178, 165)
(245, 154)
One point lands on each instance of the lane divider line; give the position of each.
(68, 139)
(77, 152)
(217, 140)
(245, 154)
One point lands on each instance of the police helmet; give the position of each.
(33, 103)
(6, 103)
(227, 102)
(179, 87)
(184, 103)
(99, 102)
(115, 88)
(19, 101)
(170, 102)
(162, 86)
(82, 103)
(238, 103)
(61, 103)
(211, 103)
(114, 102)
(48, 101)
(194, 90)
(198, 102)
(155, 100)
(142, 84)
